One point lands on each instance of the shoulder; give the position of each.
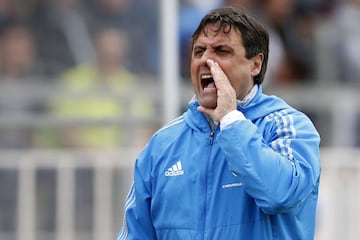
(279, 114)
(171, 129)
(162, 140)
(288, 122)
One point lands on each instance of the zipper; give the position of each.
(211, 141)
(212, 134)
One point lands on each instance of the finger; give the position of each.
(214, 69)
(205, 110)
(217, 73)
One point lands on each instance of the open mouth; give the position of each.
(207, 81)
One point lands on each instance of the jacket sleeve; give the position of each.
(137, 216)
(279, 172)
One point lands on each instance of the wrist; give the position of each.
(230, 118)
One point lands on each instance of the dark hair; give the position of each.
(254, 36)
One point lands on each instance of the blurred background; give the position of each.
(85, 83)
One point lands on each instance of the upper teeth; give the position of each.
(206, 76)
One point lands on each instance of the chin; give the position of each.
(207, 100)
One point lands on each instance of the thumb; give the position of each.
(204, 110)
(207, 111)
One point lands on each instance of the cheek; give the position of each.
(241, 81)
(194, 66)
(193, 75)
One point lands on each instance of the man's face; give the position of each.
(228, 51)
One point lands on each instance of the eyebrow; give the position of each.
(213, 47)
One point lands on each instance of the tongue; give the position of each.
(211, 85)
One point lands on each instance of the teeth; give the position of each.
(207, 81)
(206, 76)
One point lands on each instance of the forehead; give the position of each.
(214, 33)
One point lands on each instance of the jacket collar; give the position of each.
(254, 107)
(198, 120)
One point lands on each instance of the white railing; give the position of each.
(107, 215)
(338, 211)
(338, 208)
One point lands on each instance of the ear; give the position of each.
(256, 64)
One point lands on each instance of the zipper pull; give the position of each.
(212, 134)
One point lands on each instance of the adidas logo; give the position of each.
(175, 170)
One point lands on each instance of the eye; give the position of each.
(198, 51)
(222, 51)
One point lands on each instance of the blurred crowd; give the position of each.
(112, 45)
(59, 34)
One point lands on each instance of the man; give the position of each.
(238, 164)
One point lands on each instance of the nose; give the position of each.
(208, 54)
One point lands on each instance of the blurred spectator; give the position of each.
(139, 19)
(18, 55)
(18, 64)
(62, 34)
(291, 55)
(98, 91)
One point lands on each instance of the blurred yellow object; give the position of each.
(89, 95)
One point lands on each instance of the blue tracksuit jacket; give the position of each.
(255, 179)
